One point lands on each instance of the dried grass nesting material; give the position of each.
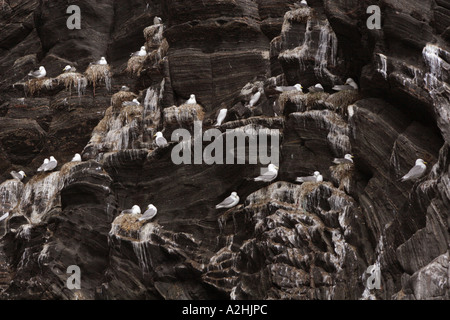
(339, 101)
(343, 174)
(73, 79)
(120, 97)
(135, 64)
(35, 85)
(186, 113)
(97, 73)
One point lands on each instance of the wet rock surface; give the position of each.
(284, 240)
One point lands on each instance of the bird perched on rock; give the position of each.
(40, 73)
(134, 210)
(298, 87)
(269, 175)
(317, 88)
(416, 172)
(350, 84)
(69, 68)
(102, 61)
(133, 103)
(348, 158)
(160, 140)
(317, 177)
(221, 116)
(157, 20)
(254, 99)
(124, 88)
(140, 53)
(76, 158)
(18, 175)
(149, 213)
(303, 2)
(41, 168)
(52, 163)
(229, 202)
(192, 100)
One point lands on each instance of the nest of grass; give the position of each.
(128, 225)
(73, 79)
(153, 35)
(186, 113)
(129, 113)
(35, 85)
(135, 64)
(103, 125)
(120, 97)
(339, 101)
(299, 15)
(343, 174)
(97, 73)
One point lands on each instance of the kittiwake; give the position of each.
(134, 210)
(297, 87)
(192, 100)
(76, 158)
(254, 99)
(160, 140)
(317, 177)
(41, 168)
(416, 172)
(269, 175)
(69, 68)
(229, 202)
(40, 73)
(348, 158)
(350, 84)
(317, 88)
(52, 163)
(140, 53)
(157, 20)
(149, 213)
(221, 116)
(133, 103)
(18, 175)
(124, 88)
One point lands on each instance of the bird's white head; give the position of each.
(273, 167)
(41, 68)
(136, 209)
(316, 173)
(420, 162)
(46, 160)
(66, 68)
(298, 86)
(52, 158)
(158, 134)
(22, 173)
(151, 206)
(234, 194)
(348, 157)
(319, 86)
(192, 96)
(136, 101)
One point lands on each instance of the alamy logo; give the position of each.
(238, 146)
(74, 281)
(74, 21)
(374, 280)
(374, 21)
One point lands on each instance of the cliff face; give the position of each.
(284, 240)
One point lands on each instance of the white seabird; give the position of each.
(416, 172)
(52, 163)
(134, 210)
(160, 140)
(350, 84)
(303, 2)
(102, 61)
(140, 53)
(269, 175)
(40, 73)
(317, 88)
(221, 116)
(3, 217)
(229, 202)
(69, 68)
(297, 87)
(254, 99)
(135, 102)
(124, 88)
(149, 213)
(76, 158)
(18, 175)
(41, 168)
(317, 177)
(192, 100)
(157, 20)
(348, 158)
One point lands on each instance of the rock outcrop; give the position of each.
(284, 240)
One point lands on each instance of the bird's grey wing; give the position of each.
(15, 175)
(341, 87)
(161, 141)
(148, 214)
(414, 173)
(267, 176)
(35, 73)
(306, 179)
(228, 201)
(126, 211)
(50, 166)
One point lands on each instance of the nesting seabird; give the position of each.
(254, 99)
(192, 100)
(317, 88)
(69, 68)
(221, 116)
(41, 168)
(40, 73)
(416, 172)
(134, 210)
(157, 20)
(303, 2)
(102, 61)
(3, 217)
(124, 88)
(269, 175)
(229, 202)
(52, 163)
(350, 84)
(317, 177)
(149, 213)
(160, 140)
(18, 175)
(298, 87)
(140, 53)
(76, 158)
(133, 103)
(348, 158)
